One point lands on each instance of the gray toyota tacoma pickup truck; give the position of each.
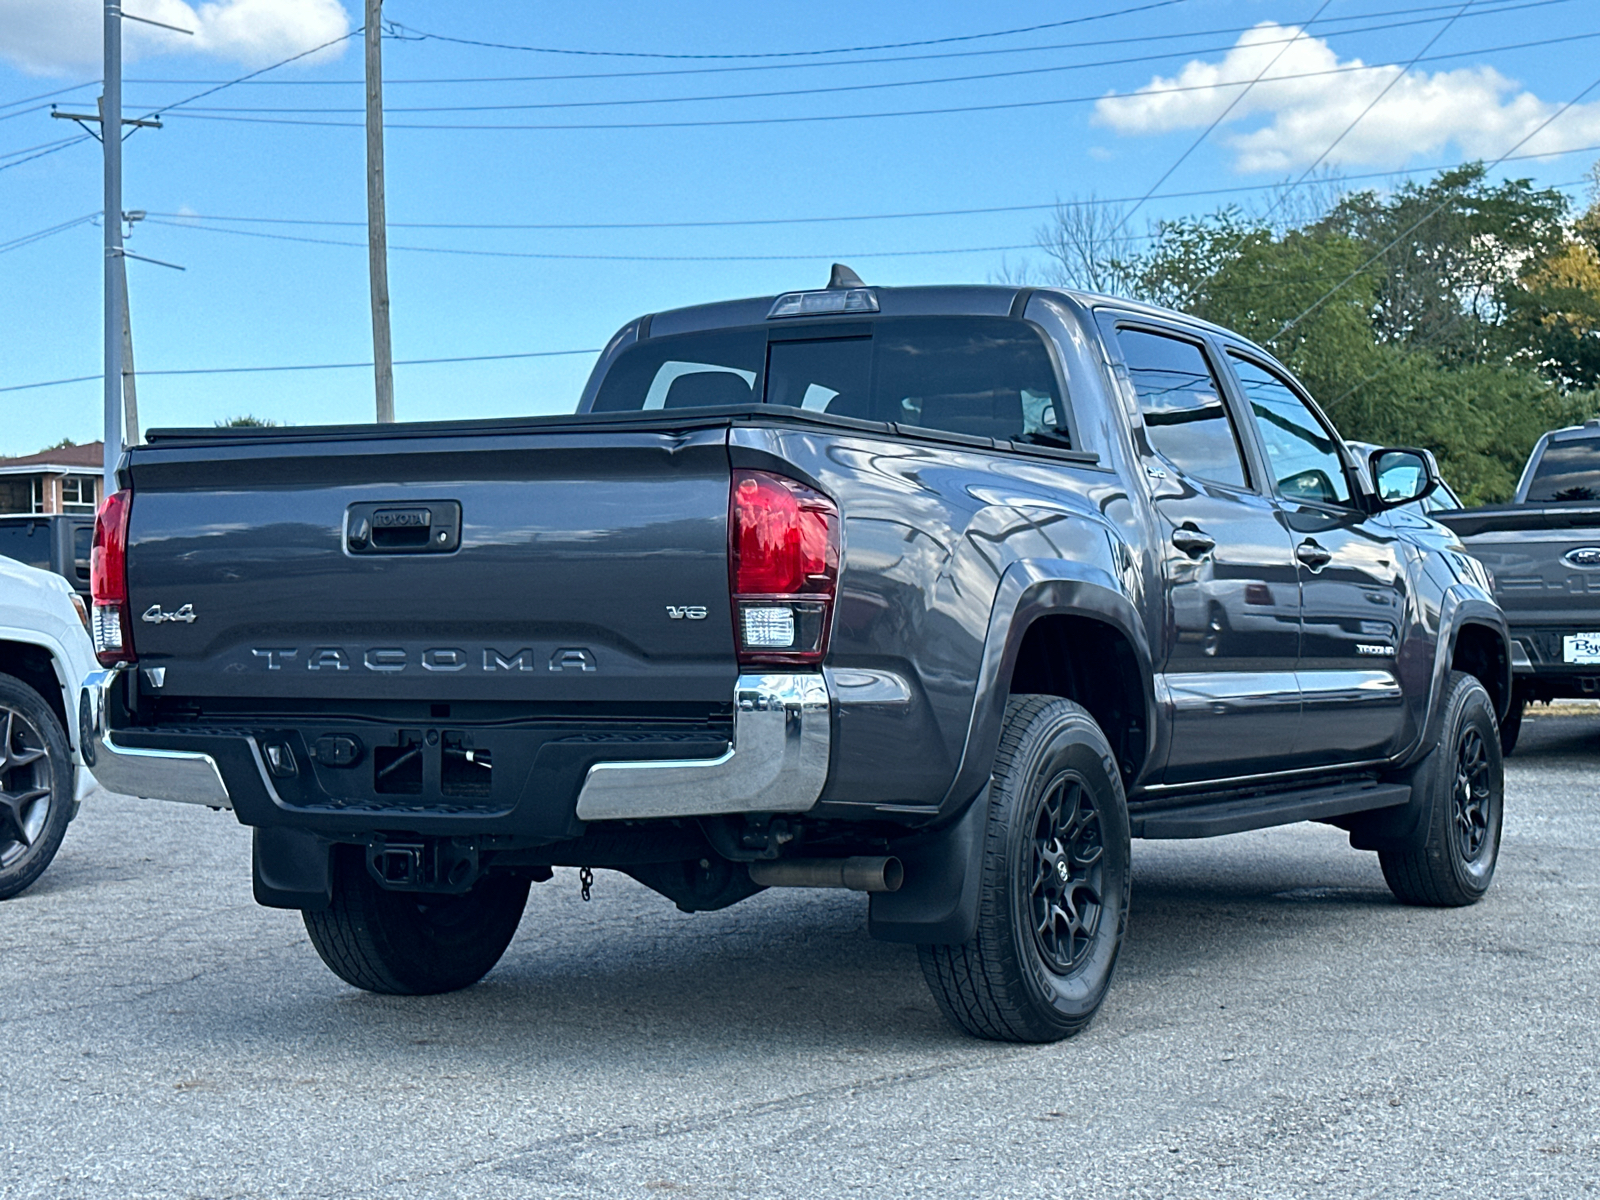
(938, 593)
(1543, 551)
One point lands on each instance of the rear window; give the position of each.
(1566, 471)
(981, 376)
(692, 370)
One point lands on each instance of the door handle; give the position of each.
(406, 527)
(1313, 555)
(1192, 542)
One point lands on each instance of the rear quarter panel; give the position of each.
(929, 530)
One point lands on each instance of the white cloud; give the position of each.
(52, 37)
(1477, 109)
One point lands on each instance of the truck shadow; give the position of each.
(792, 973)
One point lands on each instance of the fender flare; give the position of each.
(61, 664)
(1030, 589)
(939, 904)
(1462, 605)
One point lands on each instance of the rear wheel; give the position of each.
(1453, 860)
(36, 786)
(412, 943)
(1054, 893)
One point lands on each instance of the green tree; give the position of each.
(247, 421)
(1554, 312)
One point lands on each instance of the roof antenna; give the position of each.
(843, 277)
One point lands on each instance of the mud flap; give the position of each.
(291, 869)
(938, 902)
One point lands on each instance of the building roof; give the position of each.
(86, 456)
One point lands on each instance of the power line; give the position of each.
(781, 93)
(155, 112)
(816, 91)
(827, 254)
(915, 112)
(184, 217)
(59, 146)
(1215, 121)
(1415, 225)
(1345, 132)
(399, 362)
(39, 235)
(66, 141)
(47, 95)
(944, 41)
(798, 66)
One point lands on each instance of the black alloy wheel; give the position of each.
(1471, 795)
(36, 786)
(1460, 786)
(1054, 885)
(1066, 887)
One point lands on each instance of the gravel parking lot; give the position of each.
(1279, 1027)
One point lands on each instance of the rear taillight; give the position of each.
(108, 586)
(784, 568)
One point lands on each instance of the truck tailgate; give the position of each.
(586, 565)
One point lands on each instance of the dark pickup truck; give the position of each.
(937, 593)
(57, 542)
(1543, 551)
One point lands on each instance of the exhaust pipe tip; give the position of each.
(859, 874)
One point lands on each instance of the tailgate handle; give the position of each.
(403, 527)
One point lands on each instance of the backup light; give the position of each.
(768, 627)
(807, 304)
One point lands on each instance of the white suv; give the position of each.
(44, 653)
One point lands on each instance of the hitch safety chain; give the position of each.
(585, 882)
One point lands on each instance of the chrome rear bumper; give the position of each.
(778, 761)
(158, 774)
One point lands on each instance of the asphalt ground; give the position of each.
(1279, 1027)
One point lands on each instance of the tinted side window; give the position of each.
(1185, 419)
(984, 376)
(27, 542)
(1302, 454)
(987, 377)
(1567, 471)
(82, 543)
(693, 370)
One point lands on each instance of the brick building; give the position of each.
(52, 481)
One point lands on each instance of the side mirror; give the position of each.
(1403, 476)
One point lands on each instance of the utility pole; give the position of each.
(130, 394)
(115, 289)
(377, 233)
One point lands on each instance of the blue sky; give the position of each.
(253, 300)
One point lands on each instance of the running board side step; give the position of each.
(1273, 808)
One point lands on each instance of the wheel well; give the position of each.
(1092, 663)
(1480, 651)
(33, 665)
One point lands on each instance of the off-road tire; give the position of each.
(412, 943)
(1511, 726)
(1462, 785)
(30, 726)
(1008, 983)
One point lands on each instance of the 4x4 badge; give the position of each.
(155, 616)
